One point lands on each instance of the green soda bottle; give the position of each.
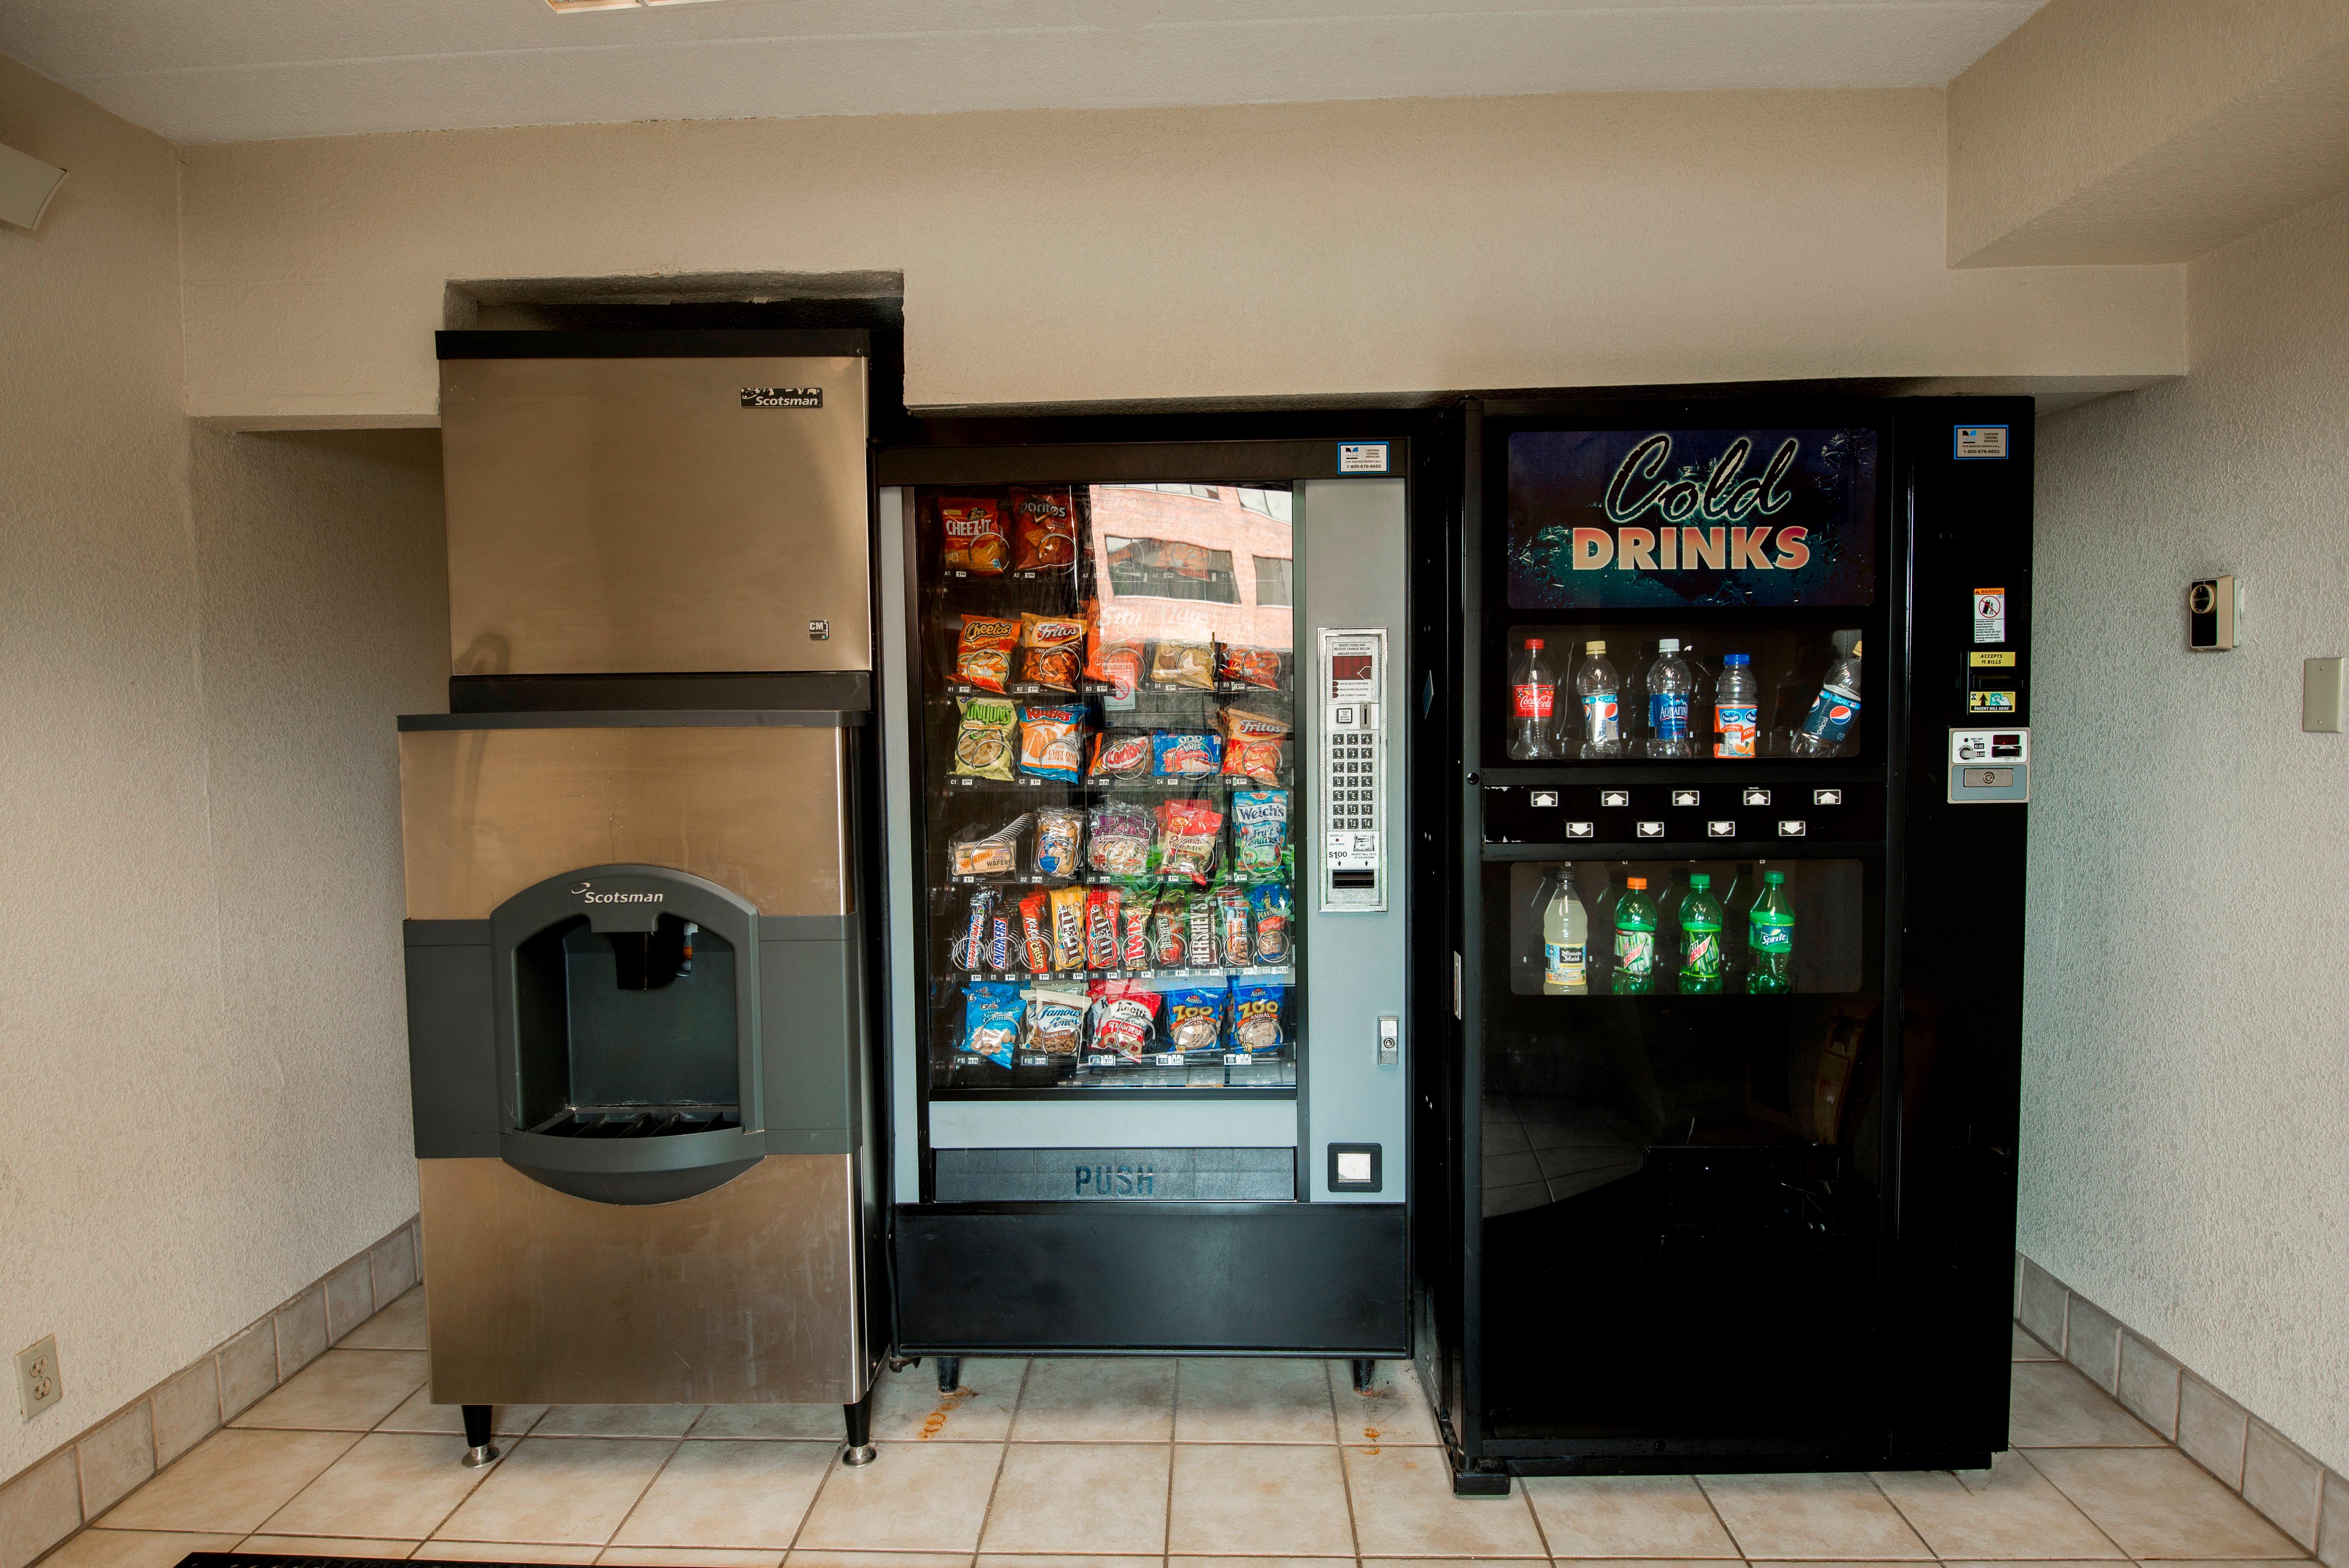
(1770, 933)
(1635, 939)
(1703, 964)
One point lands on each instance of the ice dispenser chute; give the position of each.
(628, 1072)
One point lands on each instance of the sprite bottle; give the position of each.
(1635, 939)
(1770, 934)
(1703, 964)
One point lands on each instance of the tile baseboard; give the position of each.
(2294, 1491)
(50, 1499)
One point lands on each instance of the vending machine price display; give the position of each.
(1353, 771)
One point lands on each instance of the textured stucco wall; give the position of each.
(199, 873)
(1272, 250)
(2186, 1143)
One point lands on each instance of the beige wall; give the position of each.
(1315, 249)
(199, 962)
(2186, 1099)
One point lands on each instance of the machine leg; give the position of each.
(859, 1432)
(1366, 1372)
(949, 1374)
(479, 1449)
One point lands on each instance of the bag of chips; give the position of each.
(1195, 1017)
(1121, 841)
(1259, 831)
(1059, 837)
(1036, 932)
(1256, 744)
(1191, 664)
(1184, 756)
(996, 854)
(1102, 906)
(990, 1020)
(1269, 913)
(1248, 666)
(1257, 1007)
(1125, 1018)
(1232, 924)
(1051, 650)
(1044, 530)
(973, 535)
(1119, 754)
(983, 652)
(1052, 742)
(1055, 1021)
(1114, 661)
(985, 739)
(1187, 834)
(1068, 928)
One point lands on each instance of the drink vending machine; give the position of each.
(1148, 1064)
(1742, 763)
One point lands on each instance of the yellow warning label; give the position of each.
(1990, 701)
(1991, 661)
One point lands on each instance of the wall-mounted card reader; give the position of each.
(1988, 766)
(1353, 766)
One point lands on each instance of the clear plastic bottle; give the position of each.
(1532, 696)
(1736, 708)
(1668, 684)
(1833, 711)
(1770, 937)
(1565, 938)
(1635, 938)
(1703, 964)
(1599, 693)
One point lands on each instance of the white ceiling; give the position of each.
(230, 70)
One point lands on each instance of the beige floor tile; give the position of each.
(1106, 1399)
(1241, 1562)
(785, 1423)
(824, 1558)
(1626, 1516)
(2157, 1502)
(908, 1408)
(1079, 1497)
(1391, 1410)
(342, 1390)
(2201, 1562)
(617, 1420)
(325, 1547)
(1404, 1507)
(750, 1496)
(1253, 1399)
(1630, 1563)
(394, 1484)
(685, 1557)
(916, 1496)
(2027, 1348)
(1060, 1559)
(507, 1552)
(2006, 1512)
(1805, 1517)
(420, 1414)
(399, 1326)
(2049, 1563)
(1279, 1500)
(559, 1490)
(133, 1548)
(229, 1481)
(2053, 1406)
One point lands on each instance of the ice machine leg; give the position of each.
(859, 1432)
(1366, 1372)
(949, 1374)
(479, 1449)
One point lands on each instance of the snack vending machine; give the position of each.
(1743, 761)
(1148, 1059)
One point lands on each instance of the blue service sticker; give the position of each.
(1974, 444)
(1362, 456)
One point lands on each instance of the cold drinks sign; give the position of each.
(1637, 518)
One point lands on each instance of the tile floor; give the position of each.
(1109, 1464)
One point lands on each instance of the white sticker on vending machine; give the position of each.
(1989, 615)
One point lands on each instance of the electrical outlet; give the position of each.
(38, 1386)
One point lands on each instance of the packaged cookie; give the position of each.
(974, 536)
(1060, 838)
(983, 651)
(1257, 1025)
(1124, 1019)
(1051, 650)
(1195, 1017)
(990, 1020)
(972, 852)
(1044, 530)
(1055, 1021)
(1120, 840)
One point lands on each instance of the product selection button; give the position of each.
(1614, 797)
(1651, 830)
(1757, 797)
(1793, 829)
(1826, 797)
(1684, 797)
(1577, 830)
(1544, 797)
(1720, 830)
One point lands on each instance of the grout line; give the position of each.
(1718, 1517)
(2093, 1524)
(1345, 1471)
(1002, 1457)
(1174, 1434)
(677, 1446)
(1901, 1514)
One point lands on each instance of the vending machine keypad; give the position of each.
(1353, 771)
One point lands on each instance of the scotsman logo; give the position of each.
(585, 893)
(782, 397)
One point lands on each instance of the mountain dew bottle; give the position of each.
(1635, 938)
(1770, 930)
(1703, 964)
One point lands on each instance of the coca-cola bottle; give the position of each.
(1533, 699)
